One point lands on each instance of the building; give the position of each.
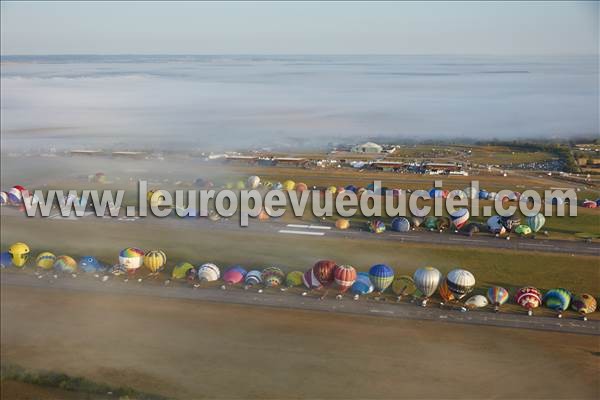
(441, 168)
(392, 166)
(368, 147)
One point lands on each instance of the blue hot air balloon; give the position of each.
(400, 224)
(382, 276)
(558, 300)
(5, 259)
(363, 284)
(90, 264)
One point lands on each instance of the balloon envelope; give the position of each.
(363, 284)
(497, 295)
(476, 301)
(90, 264)
(400, 224)
(557, 299)
(376, 226)
(253, 277)
(65, 264)
(342, 224)
(272, 276)
(528, 297)
(460, 282)
(536, 222)
(344, 277)
(427, 280)
(5, 259)
(155, 260)
(293, 278)
(208, 272)
(19, 253)
(324, 271)
(234, 275)
(45, 260)
(584, 303)
(460, 217)
(382, 276)
(180, 271)
(403, 285)
(131, 258)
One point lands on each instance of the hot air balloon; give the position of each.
(332, 189)
(476, 301)
(180, 271)
(342, 224)
(301, 187)
(253, 277)
(558, 300)
(403, 285)
(382, 276)
(523, 230)
(460, 282)
(400, 224)
(89, 264)
(459, 217)
(344, 277)
(289, 185)
(277, 186)
(510, 222)
(351, 188)
(416, 221)
(497, 296)
(494, 224)
(45, 260)
(471, 192)
(529, 298)
(589, 204)
(484, 194)
(472, 229)
(457, 194)
(492, 195)
(324, 271)
(19, 254)
(536, 222)
(293, 278)
(5, 259)
(131, 258)
(155, 260)
(14, 196)
(3, 198)
(430, 223)
(427, 280)
(253, 182)
(363, 284)
(263, 215)
(376, 226)
(445, 293)
(443, 223)
(65, 264)
(584, 304)
(272, 276)
(310, 280)
(234, 275)
(208, 272)
(438, 193)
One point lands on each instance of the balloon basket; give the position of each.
(530, 312)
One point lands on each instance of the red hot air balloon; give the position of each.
(324, 272)
(345, 276)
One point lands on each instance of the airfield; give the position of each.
(276, 343)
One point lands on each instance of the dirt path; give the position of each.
(190, 349)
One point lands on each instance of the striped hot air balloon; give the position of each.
(323, 270)
(427, 281)
(293, 278)
(536, 222)
(376, 226)
(363, 284)
(558, 300)
(253, 278)
(208, 272)
(131, 258)
(65, 264)
(155, 260)
(14, 196)
(45, 260)
(345, 276)
(310, 280)
(3, 198)
(529, 298)
(460, 217)
(584, 304)
(272, 276)
(382, 276)
(497, 296)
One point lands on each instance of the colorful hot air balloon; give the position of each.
(234, 275)
(510, 222)
(288, 185)
(351, 188)
(382, 276)
(457, 194)
(155, 260)
(342, 224)
(529, 298)
(301, 187)
(536, 222)
(523, 230)
(272, 276)
(344, 276)
(3, 198)
(438, 193)
(403, 285)
(131, 258)
(45, 260)
(208, 272)
(253, 278)
(589, 204)
(253, 182)
(558, 300)
(65, 264)
(181, 270)
(89, 264)
(19, 254)
(310, 280)
(400, 224)
(584, 304)
(476, 301)
(427, 281)
(460, 217)
(443, 223)
(445, 292)
(293, 278)
(460, 282)
(323, 270)
(497, 296)
(15, 196)
(363, 284)
(5, 259)
(430, 223)
(376, 226)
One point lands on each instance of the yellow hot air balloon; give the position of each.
(294, 278)
(155, 260)
(19, 253)
(181, 270)
(332, 189)
(156, 197)
(45, 260)
(342, 224)
(289, 185)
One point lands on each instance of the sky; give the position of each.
(502, 28)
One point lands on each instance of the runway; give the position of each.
(276, 298)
